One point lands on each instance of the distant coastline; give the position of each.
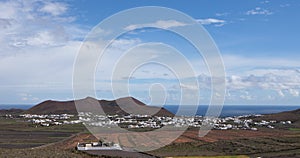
(228, 110)
(238, 110)
(15, 106)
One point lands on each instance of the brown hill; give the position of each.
(122, 106)
(11, 111)
(293, 115)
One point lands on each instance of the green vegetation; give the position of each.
(294, 129)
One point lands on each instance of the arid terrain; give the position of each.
(267, 143)
(21, 138)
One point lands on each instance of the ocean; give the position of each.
(15, 106)
(237, 110)
(227, 110)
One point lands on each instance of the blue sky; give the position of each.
(258, 41)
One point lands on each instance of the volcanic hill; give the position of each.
(122, 106)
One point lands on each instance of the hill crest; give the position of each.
(119, 106)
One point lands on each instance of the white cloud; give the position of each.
(294, 92)
(39, 42)
(259, 11)
(279, 80)
(237, 82)
(39, 66)
(5, 23)
(54, 8)
(264, 80)
(280, 93)
(23, 25)
(28, 97)
(47, 38)
(265, 2)
(246, 97)
(8, 9)
(284, 5)
(237, 64)
(165, 24)
(222, 14)
(191, 87)
(216, 22)
(38, 51)
(264, 83)
(124, 44)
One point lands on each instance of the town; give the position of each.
(151, 122)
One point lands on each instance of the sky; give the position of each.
(258, 41)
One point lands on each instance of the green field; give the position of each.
(294, 129)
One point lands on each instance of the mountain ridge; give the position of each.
(121, 106)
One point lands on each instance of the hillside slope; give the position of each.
(120, 106)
